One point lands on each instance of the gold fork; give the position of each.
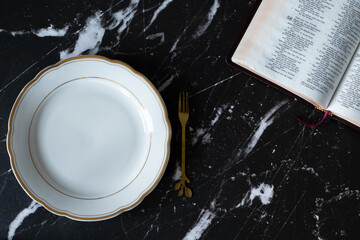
(183, 117)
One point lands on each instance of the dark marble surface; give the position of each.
(256, 172)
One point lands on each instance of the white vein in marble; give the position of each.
(16, 33)
(203, 222)
(15, 224)
(197, 135)
(264, 123)
(90, 38)
(123, 18)
(264, 192)
(177, 173)
(204, 133)
(51, 32)
(210, 16)
(206, 138)
(310, 169)
(166, 83)
(347, 193)
(42, 32)
(160, 35)
(163, 5)
(174, 46)
(316, 232)
(219, 111)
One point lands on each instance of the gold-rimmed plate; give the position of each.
(88, 138)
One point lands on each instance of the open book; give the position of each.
(309, 48)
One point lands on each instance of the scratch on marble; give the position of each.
(123, 227)
(291, 213)
(34, 226)
(298, 139)
(216, 84)
(200, 56)
(254, 209)
(151, 226)
(6, 172)
(290, 150)
(163, 5)
(15, 224)
(210, 16)
(41, 228)
(27, 69)
(56, 221)
(4, 183)
(147, 233)
(230, 166)
(269, 142)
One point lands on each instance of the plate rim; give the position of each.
(142, 195)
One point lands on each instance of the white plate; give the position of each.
(88, 138)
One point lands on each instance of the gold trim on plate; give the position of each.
(62, 211)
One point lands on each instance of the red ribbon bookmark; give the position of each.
(314, 125)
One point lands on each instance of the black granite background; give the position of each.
(256, 173)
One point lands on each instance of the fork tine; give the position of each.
(179, 101)
(187, 101)
(183, 101)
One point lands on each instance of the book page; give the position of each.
(303, 46)
(346, 101)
